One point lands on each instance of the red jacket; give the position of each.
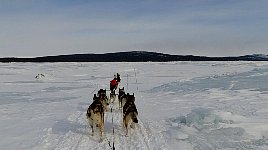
(113, 82)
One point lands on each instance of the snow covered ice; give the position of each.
(182, 105)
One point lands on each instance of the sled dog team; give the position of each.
(95, 112)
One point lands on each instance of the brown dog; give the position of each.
(130, 113)
(95, 115)
(121, 95)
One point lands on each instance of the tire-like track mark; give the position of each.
(76, 133)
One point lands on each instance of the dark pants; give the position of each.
(113, 87)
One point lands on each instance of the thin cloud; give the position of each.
(198, 27)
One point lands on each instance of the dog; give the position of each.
(95, 97)
(121, 93)
(95, 115)
(129, 102)
(112, 96)
(122, 97)
(127, 98)
(130, 114)
(103, 99)
(101, 91)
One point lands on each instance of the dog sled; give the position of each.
(96, 111)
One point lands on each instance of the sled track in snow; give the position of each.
(142, 132)
(74, 133)
(135, 139)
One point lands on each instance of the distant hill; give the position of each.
(133, 56)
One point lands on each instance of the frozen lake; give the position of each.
(182, 105)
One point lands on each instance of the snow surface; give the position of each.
(182, 105)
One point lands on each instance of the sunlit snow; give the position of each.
(182, 105)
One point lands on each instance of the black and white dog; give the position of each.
(130, 113)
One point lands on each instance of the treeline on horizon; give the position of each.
(134, 56)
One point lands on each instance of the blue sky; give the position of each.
(196, 27)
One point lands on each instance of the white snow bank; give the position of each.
(252, 80)
(208, 129)
(202, 118)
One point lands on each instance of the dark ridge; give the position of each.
(133, 56)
